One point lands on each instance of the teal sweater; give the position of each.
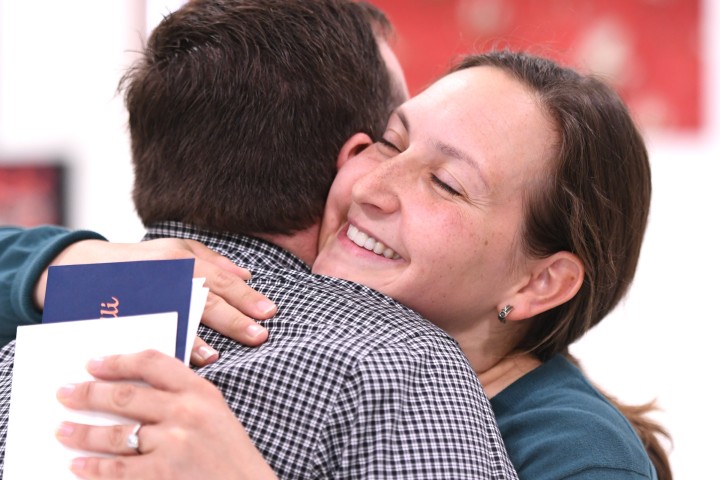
(24, 254)
(557, 426)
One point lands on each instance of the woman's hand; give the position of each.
(232, 307)
(187, 432)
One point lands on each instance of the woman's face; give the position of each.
(431, 214)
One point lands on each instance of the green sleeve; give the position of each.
(24, 254)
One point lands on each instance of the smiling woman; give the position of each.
(513, 195)
(446, 197)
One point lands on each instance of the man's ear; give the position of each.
(355, 144)
(552, 281)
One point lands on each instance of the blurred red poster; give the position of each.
(31, 194)
(650, 51)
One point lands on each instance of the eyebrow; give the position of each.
(447, 149)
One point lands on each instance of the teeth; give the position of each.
(379, 248)
(362, 239)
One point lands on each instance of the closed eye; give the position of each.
(444, 186)
(388, 144)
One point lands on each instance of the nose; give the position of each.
(379, 189)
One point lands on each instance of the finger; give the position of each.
(103, 439)
(201, 251)
(202, 353)
(156, 369)
(234, 291)
(226, 319)
(126, 399)
(222, 276)
(232, 306)
(138, 467)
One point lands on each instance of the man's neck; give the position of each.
(302, 244)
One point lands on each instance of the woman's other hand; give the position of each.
(232, 307)
(187, 431)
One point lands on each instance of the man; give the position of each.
(342, 108)
(237, 112)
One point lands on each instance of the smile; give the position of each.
(362, 239)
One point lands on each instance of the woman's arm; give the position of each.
(26, 254)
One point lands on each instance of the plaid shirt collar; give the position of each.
(252, 253)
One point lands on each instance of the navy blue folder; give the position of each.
(113, 290)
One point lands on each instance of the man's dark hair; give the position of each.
(238, 109)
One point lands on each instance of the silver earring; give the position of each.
(504, 313)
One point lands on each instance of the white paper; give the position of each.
(197, 305)
(48, 356)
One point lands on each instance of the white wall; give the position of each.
(59, 66)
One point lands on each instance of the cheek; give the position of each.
(453, 248)
(335, 212)
(338, 201)
(346, 178)
(460, 256)
(339, 197)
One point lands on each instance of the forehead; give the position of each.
(488, 113)
(485, 94)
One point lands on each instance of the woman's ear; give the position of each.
(354, 145)
(552, 281)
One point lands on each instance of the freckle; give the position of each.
(486, 242)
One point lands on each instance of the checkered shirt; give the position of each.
(351, 384)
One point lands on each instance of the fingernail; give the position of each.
(78, 464)
(64, 430)
(95, 363)
(265, 306)
(66, 391)
(254, 330)
(206, 352)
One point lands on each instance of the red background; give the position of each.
(648, 49)
(32, 195)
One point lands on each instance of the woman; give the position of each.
(515, 247)
(507, 204)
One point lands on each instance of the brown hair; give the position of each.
(594, 202)
(238, 108)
